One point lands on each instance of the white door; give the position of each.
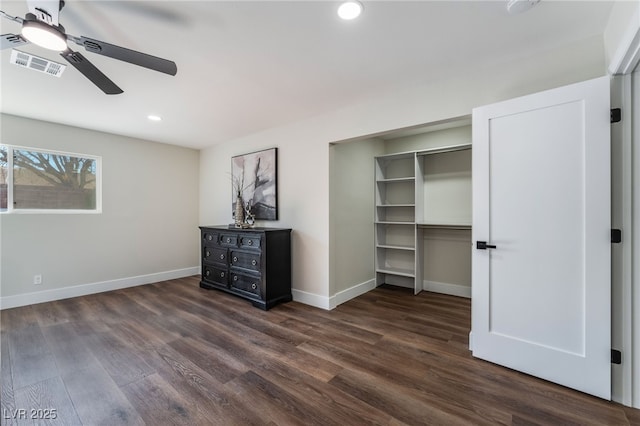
(541, 196)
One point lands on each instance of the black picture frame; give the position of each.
(256, 176)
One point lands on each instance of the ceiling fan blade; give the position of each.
(127, 55)
(89, 70)
(46, 11)
(11, 40)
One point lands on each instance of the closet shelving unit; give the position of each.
(417, 191)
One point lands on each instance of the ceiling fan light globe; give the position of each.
(44, 35)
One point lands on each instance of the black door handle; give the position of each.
(482, 245)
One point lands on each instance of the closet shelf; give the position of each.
(396, 247)
(396, 271)
(399, 179)
(382, 222)
(419, 195)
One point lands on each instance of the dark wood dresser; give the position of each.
(252, 263)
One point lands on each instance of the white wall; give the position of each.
(620, 32)
(146, 232)
(302, 185)
(303, 181)
(351, 216)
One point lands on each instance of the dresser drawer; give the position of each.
(245, 260)
(229, 240)
(216, 275)
(210, 238)
(246, 284)
(215, 254)
(249, 241)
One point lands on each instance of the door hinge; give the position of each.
(616, 236)
(616, 356)
(616, 115)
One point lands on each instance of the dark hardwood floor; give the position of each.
(172, 353)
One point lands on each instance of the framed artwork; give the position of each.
(254, 179)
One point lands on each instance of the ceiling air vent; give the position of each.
(37, 63)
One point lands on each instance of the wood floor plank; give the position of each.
(31, 358)
(158, 403)
(633, 415)
(252, 347)
(71, 351)
(46, 402)
(280, 406)
(212, 358)
(392, 370)
(17, 318)
(7, 400)
(344, 408)
(50, 313)
(118, 360)
(398, 403)
(97, 399)
(215, 402)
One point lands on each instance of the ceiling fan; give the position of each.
(40, 26)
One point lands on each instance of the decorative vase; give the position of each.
(249, 219)
(239, 216)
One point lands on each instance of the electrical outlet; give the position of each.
(37, 279)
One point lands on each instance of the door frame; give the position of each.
(626, 281)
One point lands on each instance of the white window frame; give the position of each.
(11, 210)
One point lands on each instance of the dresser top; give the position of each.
(233, 229)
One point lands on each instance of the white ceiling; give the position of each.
(247, 66)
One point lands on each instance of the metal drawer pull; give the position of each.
(254, 286)
(250, 242)
(228, 240)
(221, 274)
(207, 253)
(221, 256)
(235, 259)
(207, 273)
(209, 237)
(235, 278)
(254, 262)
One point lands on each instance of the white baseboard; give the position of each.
(447, 288)
(91, 288)
(471, 341)
(328, 303)
(311, 299)
(350, 293)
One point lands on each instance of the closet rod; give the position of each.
(444, 149)
(434, 226)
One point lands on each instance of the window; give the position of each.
(37, 180)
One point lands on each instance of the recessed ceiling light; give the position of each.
(154, 117)
(350, 10)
